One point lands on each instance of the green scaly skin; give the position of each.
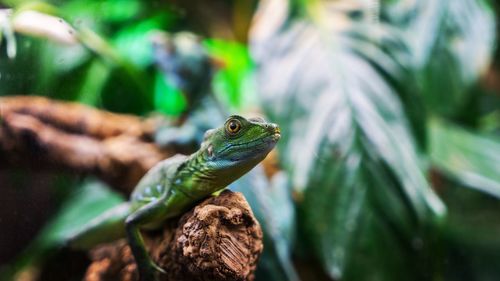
(174, 185)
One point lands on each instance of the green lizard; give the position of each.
(176, 184)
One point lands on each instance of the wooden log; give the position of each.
(219, 239)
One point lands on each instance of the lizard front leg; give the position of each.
(150, 213)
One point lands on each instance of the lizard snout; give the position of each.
(274, 129)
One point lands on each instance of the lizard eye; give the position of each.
(233, 126)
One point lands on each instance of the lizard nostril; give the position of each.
(273, 128)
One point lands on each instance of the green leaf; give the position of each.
(465, 156)
(133, 42)
(347, 141)
(473, 250)
(233, 82)
(86, 203)
(108, 11)
(167, 98)
(451, 45)
(58, 60)
(95, 79)
(102, 47)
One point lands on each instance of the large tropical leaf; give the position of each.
(467, 157)
(232, 83)
(451, 43)
(331, 83)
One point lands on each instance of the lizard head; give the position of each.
(239, 145)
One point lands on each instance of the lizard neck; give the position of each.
(202, 176)
(196, 177)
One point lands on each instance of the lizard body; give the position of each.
(176, 184)
(187, 65)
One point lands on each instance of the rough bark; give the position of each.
(219, 239)
(45, 134)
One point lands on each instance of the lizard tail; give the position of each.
(107, 227)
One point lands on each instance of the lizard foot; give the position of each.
(149, 272)
(157, 268)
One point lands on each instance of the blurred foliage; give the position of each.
(472, 234)
(353, 113)
(81, 206)
(372, 97)
(467, 157)
(233, 82)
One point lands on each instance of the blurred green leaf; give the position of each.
(347, 141)
(473, 232)
(451, 45)
(103, 12)
(96, 77)
(129, 72)
(167, 98)
(134, 42)
(55, 62)
(62, 59)
(467, 157)
(233, 82)
(490, 122)
(26, 67)
(39, 6)
(129, 54)
(86, 202)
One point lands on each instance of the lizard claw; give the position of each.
(155, 266)
(148, 272)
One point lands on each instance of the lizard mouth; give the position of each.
(277, 134)
(254, 149)
(274, 137)
(264, 145)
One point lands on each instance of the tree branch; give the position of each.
(44, 134)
